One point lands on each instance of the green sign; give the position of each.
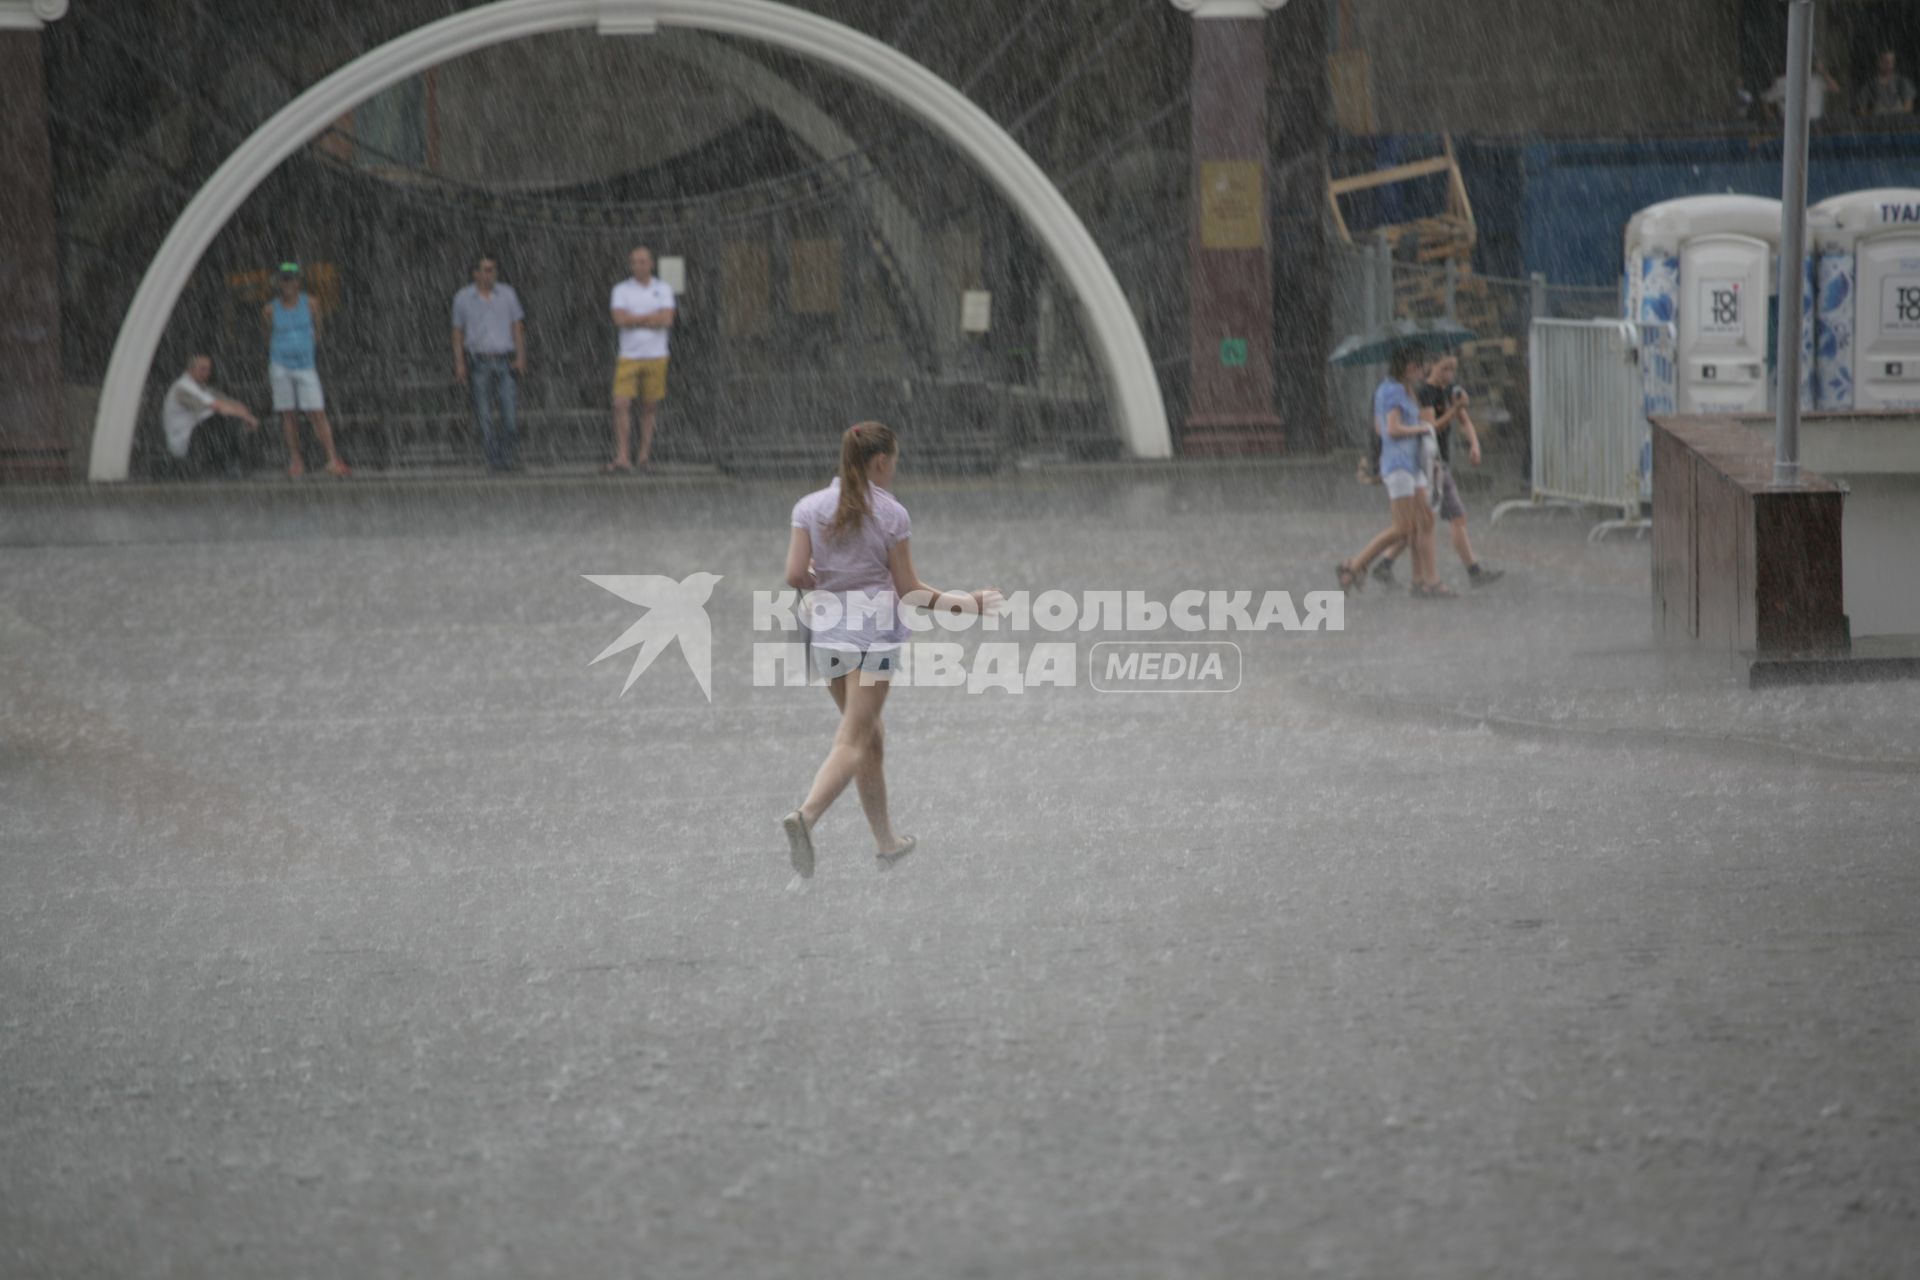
(1233, 352)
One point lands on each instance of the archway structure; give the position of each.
(1118, 344)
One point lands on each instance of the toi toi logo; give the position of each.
(1726, 306)
(1906, 304)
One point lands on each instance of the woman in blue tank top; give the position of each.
(293, 332)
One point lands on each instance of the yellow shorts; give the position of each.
(643, 380)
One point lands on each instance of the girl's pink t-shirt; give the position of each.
(854, 570)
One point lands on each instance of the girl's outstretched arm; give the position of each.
(912, 591)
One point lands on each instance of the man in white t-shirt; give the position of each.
(1820, 83)
(195, 449)
(642, 312)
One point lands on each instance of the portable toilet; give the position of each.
(1866, 263)
(1709, 266)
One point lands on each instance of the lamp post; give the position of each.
(1793, 245)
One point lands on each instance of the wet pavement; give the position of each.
(353, 924)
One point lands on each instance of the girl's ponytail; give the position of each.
(862, 442)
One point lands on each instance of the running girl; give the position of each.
(850, 541)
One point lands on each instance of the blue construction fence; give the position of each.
(1560, 208)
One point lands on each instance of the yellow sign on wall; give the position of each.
(1230, 205)
(746, 288)
(815, 269)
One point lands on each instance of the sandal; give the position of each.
(799, 844)
(888, 861)
(339, 470)
(1350, 578)
(616, 469)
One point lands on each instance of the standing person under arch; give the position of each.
(643, 307)
(292, 327)
(489, 352)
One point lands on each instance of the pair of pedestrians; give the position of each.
(1415, 410)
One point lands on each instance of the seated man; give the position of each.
(196, 447)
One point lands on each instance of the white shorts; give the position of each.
(1404, 484)
(295, 388)
(877, 664)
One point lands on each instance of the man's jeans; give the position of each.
(490, 376)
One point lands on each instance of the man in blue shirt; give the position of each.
(292, 327)
(489, 352)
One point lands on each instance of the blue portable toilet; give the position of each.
(1709, 265)
(1865, 249)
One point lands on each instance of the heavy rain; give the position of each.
(1103, 638)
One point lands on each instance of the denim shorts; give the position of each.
(295, 388)
(876, 664)
(1403, 484)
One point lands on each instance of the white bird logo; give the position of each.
(675, 611)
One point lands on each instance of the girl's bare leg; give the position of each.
(1425, 570)
(870, 779)
(854, 742)
(1383, 542)
(1406, 515)
(1406, 527)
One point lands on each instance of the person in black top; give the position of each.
(1448, 402)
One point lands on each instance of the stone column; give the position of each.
(33, 413)
(1300, 121)
(1230, 280)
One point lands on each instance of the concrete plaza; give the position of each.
(352, 924)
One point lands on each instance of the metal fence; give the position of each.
(1593, 384)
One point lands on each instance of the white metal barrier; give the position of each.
(1593, 384)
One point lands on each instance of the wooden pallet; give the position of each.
(1508, 347)
(1451, 234)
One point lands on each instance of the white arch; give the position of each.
(1117, 340)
